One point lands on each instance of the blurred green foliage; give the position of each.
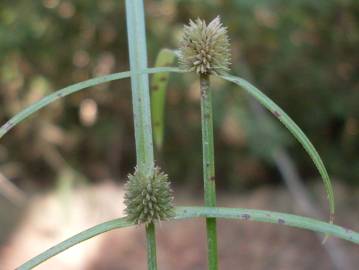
(303, 53)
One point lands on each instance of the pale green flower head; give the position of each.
(204, 48)
(148, 198)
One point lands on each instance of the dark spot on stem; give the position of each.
(162, 79)
(207, 164)
(155, 88)
(331, 217)
(157, 124)
(281, 221)
(203, 93)
(246, 216)
(8, 126)
(276, 114)
(60, 94)
(213, 178)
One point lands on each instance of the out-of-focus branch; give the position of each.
(292, 180)
(11, 192)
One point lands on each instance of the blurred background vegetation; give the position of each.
(302, 53)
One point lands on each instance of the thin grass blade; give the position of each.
(27, 112)
(269, 217)
(159, 84)
(295, 130)
(137, 44)
(74, 240)
(204, 212)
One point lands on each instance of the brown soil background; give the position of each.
(50, 218)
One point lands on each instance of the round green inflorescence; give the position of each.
(148, 198)
(205, 49)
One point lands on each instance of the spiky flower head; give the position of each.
(204, 48)
(148, 198)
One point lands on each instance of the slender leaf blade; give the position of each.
(74, 240)
(268, 217)
(295, 130)
(137, 44)
(203, 212)
(57, 95)
(159, 83)
(72, 89)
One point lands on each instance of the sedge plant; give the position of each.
(204, 50)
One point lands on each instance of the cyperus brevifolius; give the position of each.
(204, 48)
(148, 198)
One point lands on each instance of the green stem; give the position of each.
(140, 85)
(151, 242)
(209, 169)
(136, 32)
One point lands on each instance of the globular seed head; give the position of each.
(204, 48)
(148, 198)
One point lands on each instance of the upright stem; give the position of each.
(141, 104)
(151, 242)
(140, 84)
(208, 169)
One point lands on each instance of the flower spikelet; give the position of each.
(204, 48)
(148, 198)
